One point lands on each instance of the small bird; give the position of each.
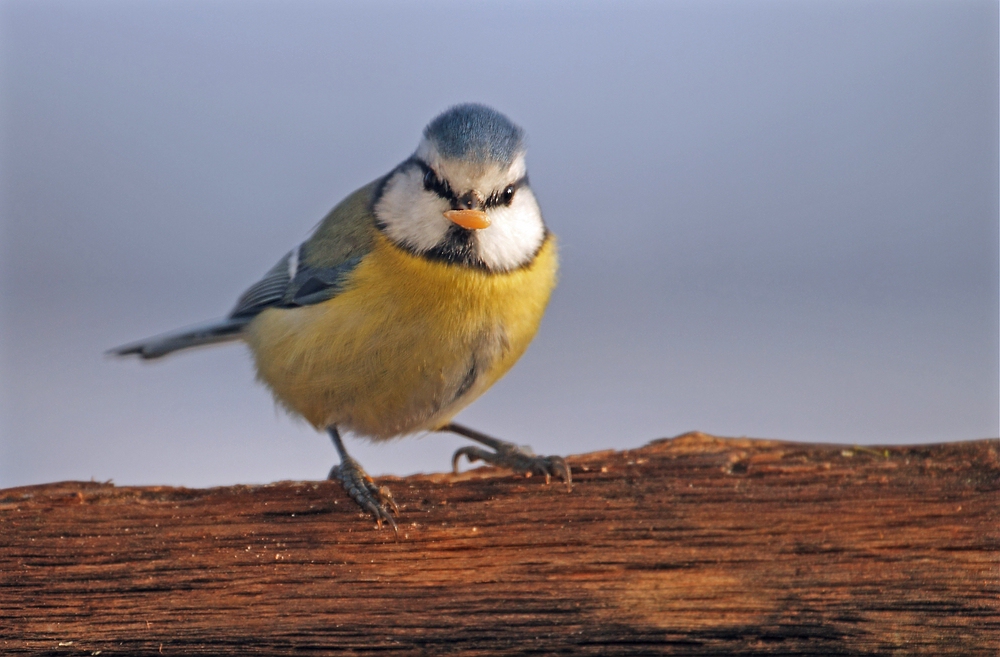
(411, 297)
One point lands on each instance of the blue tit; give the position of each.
(412, 297)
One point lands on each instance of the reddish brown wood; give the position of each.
(695, 545)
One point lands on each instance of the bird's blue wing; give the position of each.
(268, 291)
(292, 283)
(317, 270)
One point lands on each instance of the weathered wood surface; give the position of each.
(695, 545)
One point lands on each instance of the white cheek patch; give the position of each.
(412, 216)
(515, 234)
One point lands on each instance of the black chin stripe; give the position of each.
(458, 247)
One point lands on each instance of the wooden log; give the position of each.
(694, 545)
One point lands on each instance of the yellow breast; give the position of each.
(406, 345)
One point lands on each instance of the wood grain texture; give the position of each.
(691, 546)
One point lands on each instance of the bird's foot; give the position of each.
(375, 499)
(508, 455)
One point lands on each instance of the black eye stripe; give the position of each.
(433, 183)
(506, 195)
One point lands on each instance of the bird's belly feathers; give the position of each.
(405, 346)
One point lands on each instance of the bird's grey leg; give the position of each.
(375, 499)
(507, 455)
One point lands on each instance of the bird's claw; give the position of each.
(518, 459)
(376, 500)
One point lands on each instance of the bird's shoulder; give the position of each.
(316, 270)
(347, 232)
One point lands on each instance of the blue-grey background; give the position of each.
(777, 219)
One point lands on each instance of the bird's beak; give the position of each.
(470, 219)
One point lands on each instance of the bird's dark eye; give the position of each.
(429, 180)
(508, 195)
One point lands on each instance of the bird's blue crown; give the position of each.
(475, 132)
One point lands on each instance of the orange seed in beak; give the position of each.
(470, 219)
